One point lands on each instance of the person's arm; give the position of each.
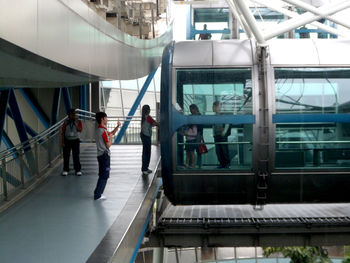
(107, 138)
(78, 125)
(116, 128)
(152, 121)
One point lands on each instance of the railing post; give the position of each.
(4, 178)
(36, 149)
(21, 166)
(49, 153)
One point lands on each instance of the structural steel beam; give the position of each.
(55, 106)
(34, 104)
(293, 14)
(66, 99)
(17, 117)
(306, 19)
(249, 18)
(29, 130)
(134, 106)
(316, 11)
(241, 21)
(4, 97)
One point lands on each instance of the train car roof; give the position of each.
(282, 52)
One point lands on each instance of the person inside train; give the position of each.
(220, 133)
(204, 36)
(195, 111)
(191, 145)
(147, 122)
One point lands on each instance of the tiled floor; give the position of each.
(59, 221)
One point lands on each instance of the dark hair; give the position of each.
(99, 116)
(217, 103)
(71, 111)
(145, 111)
(194, 107)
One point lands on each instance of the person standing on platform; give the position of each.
(71, 141)
(204, 36)
(147, 122)
(103, 143)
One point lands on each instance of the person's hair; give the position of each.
(99, 116)
(145, 111)
(194, 107)
(71, 111)
(216, 103)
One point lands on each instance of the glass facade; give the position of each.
(117, 98)
(215, 92)
(312, 130)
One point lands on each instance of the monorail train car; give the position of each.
(275, 122)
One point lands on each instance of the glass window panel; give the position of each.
(313, 146)
(129, 97)
(129, 84)
(231, 87)
(231, 151)
(312, 90)
(113, 84)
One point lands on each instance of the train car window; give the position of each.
(231, 87)
(317, 94)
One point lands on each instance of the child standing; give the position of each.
(103, 143)
(147, 122)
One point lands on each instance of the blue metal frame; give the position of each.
(66, 99)
(4, 98)
(17, 117)
(29, 130)
(300, 118)
(194, 32)
(135, 105)
(55, 106)
(32, 101)
(83, 97)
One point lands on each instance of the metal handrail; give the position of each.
(41, 137)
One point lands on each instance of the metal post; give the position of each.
(119, 14)
(177, 256)
(37, 159)
(158, 255)
(153, 33)
(21, 166)
(90, 104)
(140, 22)
(49, 143)
(235, 249)
(4, 178)
(196, 253)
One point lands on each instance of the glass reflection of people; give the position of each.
(190, 147)
(205, 36)
(220, 132)
(195, 111)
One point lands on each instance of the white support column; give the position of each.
(293, 14)
(316, 11)
(249, 18)
(239, 18)
(306, 18)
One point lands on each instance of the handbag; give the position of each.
(202, 148)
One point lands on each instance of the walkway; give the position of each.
(59, 221)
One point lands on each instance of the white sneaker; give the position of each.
(145, 172)
(64, 173)
(79, 173)
(102, 197)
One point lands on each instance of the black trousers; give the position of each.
(146, 151)
(73, 145)
(222, 151)
(104, 164)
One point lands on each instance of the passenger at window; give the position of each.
(147, 122)
(204, 36)
(191, 145)
(195, 111)
(220, 132)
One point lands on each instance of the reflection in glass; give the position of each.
(239, 145)
(231, 87)
(320, 144)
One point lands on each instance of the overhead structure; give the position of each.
(66, 43)
(298, 13)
